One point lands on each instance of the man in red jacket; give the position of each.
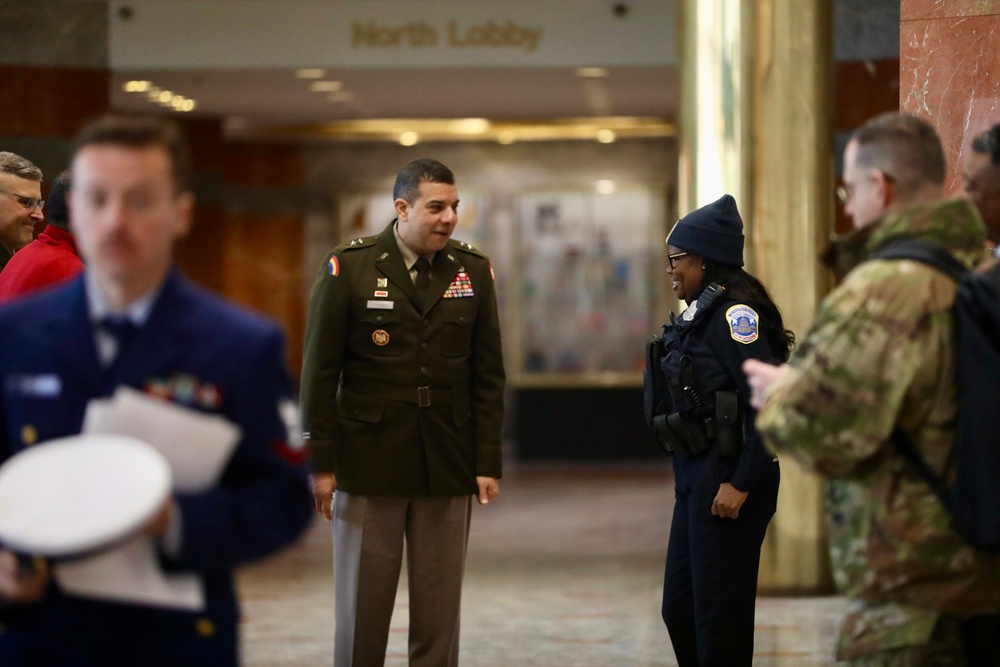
(49, 259)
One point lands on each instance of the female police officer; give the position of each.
(726, 483)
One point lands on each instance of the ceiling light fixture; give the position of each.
(310, 73)
(503, 131)
(158, 95)
(605, 136)
(326, 86)
(591, 72)
(605, 187)
(469, 125)
(341, 96)
(136, 86)
(409, 139)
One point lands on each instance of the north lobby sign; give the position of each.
(270, 34)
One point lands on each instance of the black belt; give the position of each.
(423, 397)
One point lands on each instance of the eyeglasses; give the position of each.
(845, 192)
(673, 257)
(29, 203)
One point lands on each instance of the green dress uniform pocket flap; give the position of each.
(361, 408)
(458, 311)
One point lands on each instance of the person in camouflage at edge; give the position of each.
(876, 357)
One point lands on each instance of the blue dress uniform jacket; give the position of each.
(401, 398)
(200, 352)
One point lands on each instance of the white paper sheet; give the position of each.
(197, 446)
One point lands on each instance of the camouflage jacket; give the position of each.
(880, 353)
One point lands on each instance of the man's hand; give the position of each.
(489, 488)
(18, 586)
(324, 484)
(160, 522)
(728, 501)
(760, 377)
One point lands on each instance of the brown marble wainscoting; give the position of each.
(247, 240)
(950, 71)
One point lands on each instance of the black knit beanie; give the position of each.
(714, 231)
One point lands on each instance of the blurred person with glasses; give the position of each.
(877, 366)
(20, 204)
(726, 483)
(51, 258)
(981, 173)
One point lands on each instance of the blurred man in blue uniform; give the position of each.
(131, 319)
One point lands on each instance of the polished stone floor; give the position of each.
(564, 570)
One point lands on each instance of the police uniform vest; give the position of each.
(688, 402)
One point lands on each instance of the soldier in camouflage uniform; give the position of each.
(876, 358)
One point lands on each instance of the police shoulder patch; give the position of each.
(743, 322)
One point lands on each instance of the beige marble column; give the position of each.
(755, 123)
(792, 221)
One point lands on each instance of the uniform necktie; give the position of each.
(423, 282)
(122, 329)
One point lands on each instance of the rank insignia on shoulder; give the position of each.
(334, 266)
(354, 244)
(742, 320)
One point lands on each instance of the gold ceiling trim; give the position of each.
(472, 129)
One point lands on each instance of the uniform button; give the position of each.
(425, 323)
(424, 346)
(378, 320)
(205, 627)
(461, 319)
(423, 370)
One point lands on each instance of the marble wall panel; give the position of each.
(50, 101)
(913, 10)
(54, 33)
(950, 75)
(863, 90)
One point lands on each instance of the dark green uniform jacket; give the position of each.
(400, 398)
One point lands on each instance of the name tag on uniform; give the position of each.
(380, 305)
(41, 386)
